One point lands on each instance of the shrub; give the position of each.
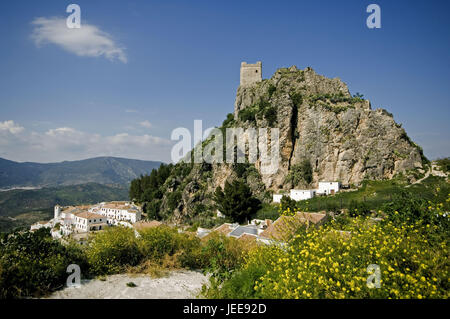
(300, 173)
(247, 114)
(271, 90)
(444, 164)
(270, 114)
(229, 121)
(287, 204)
(173, 199)
(156, 242)
(190, 254)
(358, 208)
(220, 256)
(411, 208)
(112, 250)
(297, 99)
(33, 264)
(241, 284)
(331, 262)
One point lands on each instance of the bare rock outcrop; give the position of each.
(320, 122)
(343, 138)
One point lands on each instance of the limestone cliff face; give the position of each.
(342, 137)
(319, 121)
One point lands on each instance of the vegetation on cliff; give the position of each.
(236, 201)
(325, 134)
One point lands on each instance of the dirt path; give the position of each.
(432, 171)
(428, 173)
(178, 284)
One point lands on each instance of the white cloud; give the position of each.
(60, 132)
(88, 40)
(146, 124)
(66, 143)
(11, 127)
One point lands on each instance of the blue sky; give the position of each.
(164, 64)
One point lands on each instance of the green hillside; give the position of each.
(102, 170)
(374, 194)
(23, 207)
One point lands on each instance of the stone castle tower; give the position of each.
(251, 73)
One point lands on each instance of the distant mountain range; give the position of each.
(101, 170)
(15, 202)
(21, 208)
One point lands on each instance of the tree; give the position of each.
(300, 173)
(236, 201)
(135, 189)
(152, 209)
(148, 187)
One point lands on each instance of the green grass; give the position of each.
(267, 211)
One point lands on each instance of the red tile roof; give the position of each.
(146, 224)
(286, 226)
(89, 215)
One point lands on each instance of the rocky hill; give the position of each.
(342, 137)
(323, 129)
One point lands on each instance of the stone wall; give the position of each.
(251, 73)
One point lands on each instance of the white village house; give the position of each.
(324, 188)
(78, 220)
(118, 211)
(39, 225)
(277, 198)
(302, 194)
(328, 188)
(85, 219)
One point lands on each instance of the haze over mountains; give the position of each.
(66, 183)
(101, 170)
